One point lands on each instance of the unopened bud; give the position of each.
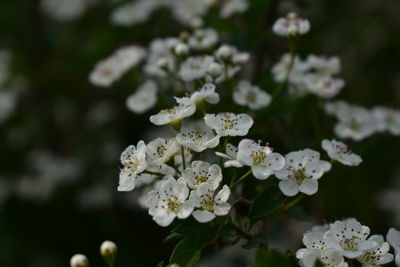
(181, 50)
(224, 52)
(215, 69)
(199, 33)
(184, 36)
(163, 64)
(108, 250)
(196, 23)
(79, 260)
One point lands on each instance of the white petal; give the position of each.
(289, 187)
(203, 216)
(309, 187)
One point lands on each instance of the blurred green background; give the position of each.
(68, 134)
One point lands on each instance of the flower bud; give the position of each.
(79, 260)
(199, 33)
(108, 250)
(181, 50)
(224, 52)
(215, 69)
(184, 36)
(196, 23)
(163, 64)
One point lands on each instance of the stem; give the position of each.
(183, 158)
(153, 173)
(241, 179)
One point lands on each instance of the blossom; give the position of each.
(170, 201)
(339, 151)
(195, 68)
(134, 12)
(161, 50)
(134, 161)
(144, 98)
(387, 119)
(202, 172)
(323, 65)
(207, 205)
(65, 10)
(261, 159)
(252, 96)
(230, 7)
(351, 238)
(301, 172)
(379, 255)
(197, 137)
(291, 25)
(111, 69)
(393, 237)
(323, 86)
(356, 123)
(280, 69)
(161, 150)
(328, 257)
(186, 11)
(231, 156)
(203, 39)
(108, 249)
(229, 124)
(185, 108)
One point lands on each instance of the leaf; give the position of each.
(271, 258)
(266, 203)
(187, 252)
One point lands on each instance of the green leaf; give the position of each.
(271, 258)
(187, 252)
(266, 203)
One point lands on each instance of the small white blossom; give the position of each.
(379, 255)
(108, 249)
(393, 237)
(387, 119)
(134, 161)
(323, 86)
(206, 93)
(197, 137)
(134, 12)
(111, 69)
(357, 123)
(215, 69)
(161, 150)
(184, 109)
(161, 49)
(281, 68)
(291, 25)
(323, 65)
(230, 7)
(79, 260)
(252, 96)
(65, 10)
(144, 98)
(339, 151)
(195, 68)
(181, 49)
(170, 201)
(351, 238)
(203, 39)
(202, 172)
(301, 172)
(261, 159)
(231, 156)
(209, 206)
(229, 124)
(328, 257)
(185, 11)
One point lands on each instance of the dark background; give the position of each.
(54, 107)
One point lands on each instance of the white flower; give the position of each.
(229, 124)
(252, 96)
(161, 49)
(79, 260)
(337, 108)
(324, 65)
(8, 103)
(197, 137)
(323, 86)
(379, 255)
(206, 93)
(65, 10)
(134, 161)
(230, 7)
(291, 25)
(202, 172)
(195, 68)
(280, 69)
(393, 237)
(161, 150)
(339, 151)
(186, 108)
(328, 257)
(231, 156)
(111, 69)
(186, 10)
(231, 54)
(301, 172)
(260, 158)
(209, 205)
(351, 238)
(144, 98)
(170, 201)
(356, 123)
(203, 39)
(134, 12)
(387, 119)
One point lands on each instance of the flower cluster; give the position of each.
(187, 12)
(357, 123)
(348, 239)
